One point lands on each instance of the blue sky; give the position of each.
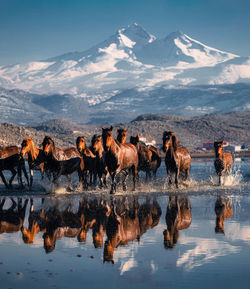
(39, 29)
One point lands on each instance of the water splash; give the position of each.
(234, 179)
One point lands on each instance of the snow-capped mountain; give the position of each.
(130, 58)
(129, 73)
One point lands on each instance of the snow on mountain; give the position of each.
(131, 58)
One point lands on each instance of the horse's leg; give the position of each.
(25, 173)
(70, 187)
(2, 204)
(187, 171)
(135, 175)
(12, 177)
(4, 180)
(113, 182)
(169, 177)
(176, 178)
(31, 177)
(124, 186)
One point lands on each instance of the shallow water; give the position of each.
(51, 240)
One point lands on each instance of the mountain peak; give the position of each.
(137, 34)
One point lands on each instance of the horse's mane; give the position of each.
(33, 151)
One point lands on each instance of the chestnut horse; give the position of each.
(34, 154)
(62, 162)
(223, 161)
(177, 159)
(98, 150)
(119, 158)
(178, 217)
(223, 210)
(149, 159)
(89, 160)
(122, 135)
(10, 159)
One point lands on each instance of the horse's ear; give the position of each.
(138, 136)
(102, 127)
(111, 127)
(126, 131)
(222, 143)
(175, 142)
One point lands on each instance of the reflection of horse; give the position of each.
(98, 150)
(177, 159)
(58, 225)
(178, 217)
(128, 221)
(11, 220)
(223, 161)
(62, 162)
(34, 154)
(121, 229)
(149, 215)
(36, 224)
(224, 210)
(149, 159)
(119, 157)
(11, 160)
(122, 135)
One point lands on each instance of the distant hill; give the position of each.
(192, 132)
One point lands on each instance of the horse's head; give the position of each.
(108, 253)
(169, 139)
(107, 137)
(81, 143)
(122, 135)
(135, 139)
(29, 235)
(48, 145)
(98, 233)
(96, 142)
(218, 146)
(26, 146)
(49, 242)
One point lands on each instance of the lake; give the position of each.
(156, 237)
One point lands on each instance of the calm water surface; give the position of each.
(194, 237)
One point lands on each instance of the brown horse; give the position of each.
(149, 159)
(12, 219)
(223, 210)
(119, 157)
(177, 159)
(223, 161)
(178, 217)
(89, 160)
(101, 168)
(11, 160)
(34, 154)
(122, 135)
(155, 159)
(62, 162)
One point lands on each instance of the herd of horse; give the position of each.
(121, 220)
(105, 157)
